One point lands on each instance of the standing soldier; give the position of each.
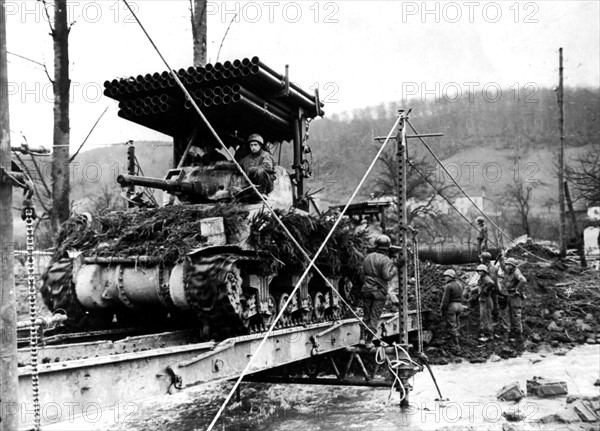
(514, 285)
(452, 304)
(486, 259)
(485, 287)
(378, 269)
(482, 236)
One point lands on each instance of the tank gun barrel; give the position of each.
(156, 183)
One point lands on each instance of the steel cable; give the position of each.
(279, 221)
(468, 197)
(304, 274)
(265, 203)
(439, 192)
(418, 290)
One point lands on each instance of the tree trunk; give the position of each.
(578, 235)
(60, 158)
(526, 226)
(199, 31)
(524, 210)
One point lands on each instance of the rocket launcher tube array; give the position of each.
(229, 88)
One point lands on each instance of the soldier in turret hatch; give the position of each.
(259, 164)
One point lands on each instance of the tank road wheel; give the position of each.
(286, 318)
(307, 315)
(248, 303)
(335, 312)
(267, 319)
(204, 330)
(319, 307)
(233, 282)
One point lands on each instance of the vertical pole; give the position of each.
(178, 150)
(130, 171)
(8, 314)
(402, 222)
(561, 160)
(298, 157)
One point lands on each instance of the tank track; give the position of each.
(58, 292)
(214, 291)
(213, 288)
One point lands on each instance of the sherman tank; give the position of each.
(210, 256)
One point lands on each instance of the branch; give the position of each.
(225, 35)
(34, 62)
(42, 179)
(35, 188)
(88, 135)
(48, 16)
(37, 169)
(26, 58)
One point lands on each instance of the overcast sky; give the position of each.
(360, 53)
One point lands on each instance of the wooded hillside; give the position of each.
(485, 146)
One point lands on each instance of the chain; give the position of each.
(306, 128)
(306, 165)
(418, 289)
(20, 179)
(29, 215)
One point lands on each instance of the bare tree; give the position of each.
(61, 85)
(584, 176)
(423, 188)
(549, 204)
(518, 195)
(198, 16)
(108, 198)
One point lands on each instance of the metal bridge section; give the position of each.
(102, 373)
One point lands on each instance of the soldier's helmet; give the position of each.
(450, 273)
(255, 137)
(485, 256)
(512, 261)
(482, 268)
(480, 220)
(383, 242)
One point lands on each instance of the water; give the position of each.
(470, 388)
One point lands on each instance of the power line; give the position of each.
(468, 197)
(445, 198)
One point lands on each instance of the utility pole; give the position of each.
(402, 225)
(8, 315)
(561, 160)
